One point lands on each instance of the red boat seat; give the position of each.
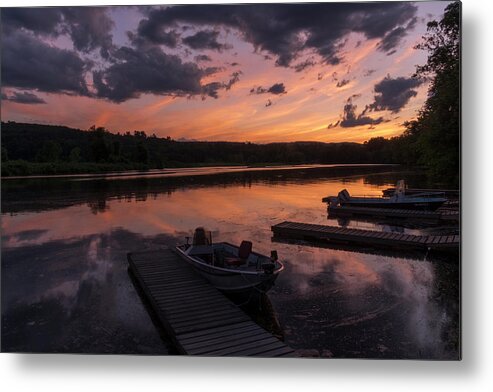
(243, 253)
(245, 250)
(233, 261)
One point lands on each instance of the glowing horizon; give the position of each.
(302, 98)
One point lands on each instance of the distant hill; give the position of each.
(58, 149)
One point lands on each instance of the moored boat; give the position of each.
(399, 200)
(230, 268)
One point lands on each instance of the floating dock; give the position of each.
(199, 319)
(306, 231)
(439, 215)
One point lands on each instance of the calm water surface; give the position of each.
(65, 285)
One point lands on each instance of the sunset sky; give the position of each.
(261, 73)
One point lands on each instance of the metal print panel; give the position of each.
(266, 180)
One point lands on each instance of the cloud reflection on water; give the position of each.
(65, 285)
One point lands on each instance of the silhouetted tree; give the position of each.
(116, 148)
(438, 124)
(142, 153)
(99, 146)
(50, 152)
(74, 155)
(5, 155)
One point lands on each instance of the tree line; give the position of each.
(48, 149)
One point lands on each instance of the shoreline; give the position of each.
(192, 170)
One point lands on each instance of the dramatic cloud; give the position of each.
(158, 34)
(24, 97)
(88, 27)
(235, 77)
(350, 119)
(205, 40)
(276, 89)
(31, 64)
(202, 57)
(285, 30)
(212, 89)
(394, 37)
(147, 71)
(152, 71)
(212, 70)
(304, 65)
(393, 94)
(119, 54)
(333, 125)
(42, 21)
(390, 94)
(342, 83)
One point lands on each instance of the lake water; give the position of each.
(66, 288)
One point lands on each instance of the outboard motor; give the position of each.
(270, 267)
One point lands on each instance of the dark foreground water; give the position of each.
(65, 285)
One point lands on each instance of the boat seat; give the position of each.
(233, 261)
(344, 195)
(200, 237)
(243, 253)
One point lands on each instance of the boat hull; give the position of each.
(233, 282)
(429, 205)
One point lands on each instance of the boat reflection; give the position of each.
(260, 309)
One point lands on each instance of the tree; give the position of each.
(142, 153)
(50, 152)
(5, 155)
(74, 155)
(437, 128)
(99, 147)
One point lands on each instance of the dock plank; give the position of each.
(201, 340)
(260, 349)
(231, 350)
(215, 323)
(188, 303)
(192, 335)
(277, 352)
(227, 343)
(185, 319)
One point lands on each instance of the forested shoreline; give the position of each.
(34, 149)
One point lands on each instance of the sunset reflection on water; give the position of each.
(70, 262)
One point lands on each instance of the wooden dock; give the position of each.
(199, 318)
(306, 231)
(439, 215)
